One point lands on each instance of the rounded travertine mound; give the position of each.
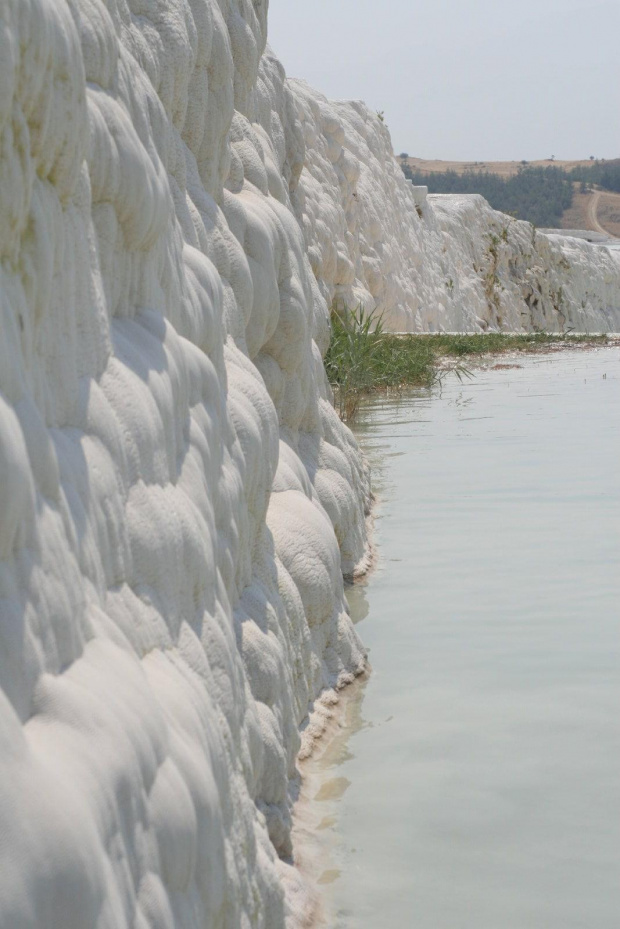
(179, 500)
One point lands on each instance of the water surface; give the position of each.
(477, 783)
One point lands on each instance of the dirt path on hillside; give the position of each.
(608, 212)
(592, 211)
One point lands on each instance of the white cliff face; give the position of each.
(519, 279)
(442, 263)
(178, 499)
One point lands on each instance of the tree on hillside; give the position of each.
(603, 174)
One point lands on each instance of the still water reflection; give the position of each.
(476, 783)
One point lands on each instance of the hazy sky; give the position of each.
(475, 80)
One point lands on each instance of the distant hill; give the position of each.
(566, 194)
(539, 195)
(502, 168)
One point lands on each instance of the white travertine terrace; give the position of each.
(178, 499)
(436, 263)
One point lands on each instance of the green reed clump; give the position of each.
(363, 357)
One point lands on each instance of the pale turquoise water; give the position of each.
(480, 776)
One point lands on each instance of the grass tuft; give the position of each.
(363, 358)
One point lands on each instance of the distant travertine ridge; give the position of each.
(436, 263)
(178, 499)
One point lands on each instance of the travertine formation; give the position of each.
(442, 263)
(178, 499)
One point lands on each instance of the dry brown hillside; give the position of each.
(503, 168)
